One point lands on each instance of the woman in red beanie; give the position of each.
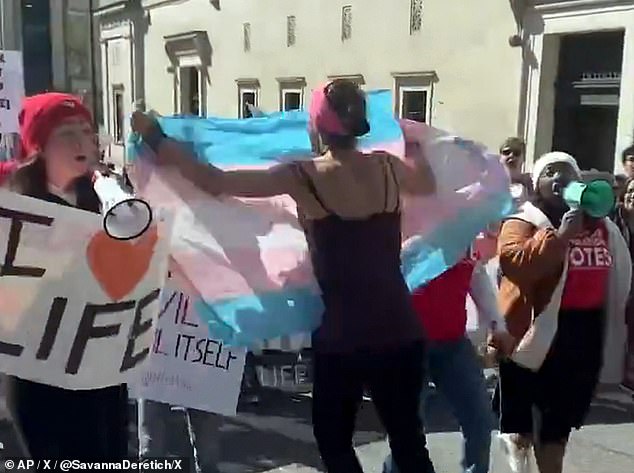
(58, 153)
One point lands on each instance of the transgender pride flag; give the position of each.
(245, 261)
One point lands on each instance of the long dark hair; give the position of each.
(31, 180)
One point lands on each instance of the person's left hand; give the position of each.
(503, 342)
(142, 123)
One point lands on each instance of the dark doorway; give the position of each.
(587, 98)
(36, 46)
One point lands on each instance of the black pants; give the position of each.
(553, 401)
(62, 424)
(394, 379)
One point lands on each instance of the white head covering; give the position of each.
(551, 158)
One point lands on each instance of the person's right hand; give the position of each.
(571, 224)
(503, 342)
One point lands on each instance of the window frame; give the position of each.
(202, 106)
(247, 89)
(414, 82)
(402, 90)
(291, 90)
(118, 90)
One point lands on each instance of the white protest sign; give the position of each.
(77, 308)
(186, 368)
(11, 90)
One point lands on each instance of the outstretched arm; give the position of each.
(208, 178)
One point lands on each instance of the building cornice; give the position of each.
(427, 75)
(357, 78)
(149, 4)
(115, 7)
(558, 6)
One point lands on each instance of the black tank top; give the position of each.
(357, 265)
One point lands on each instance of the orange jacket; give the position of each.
(532, 262)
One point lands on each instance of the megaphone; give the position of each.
(124, 216)
(596, 198)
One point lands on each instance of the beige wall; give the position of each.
(477, 93)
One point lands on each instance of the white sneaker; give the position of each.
(531, 464)
(516, 454)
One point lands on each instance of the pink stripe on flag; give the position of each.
(246, 271)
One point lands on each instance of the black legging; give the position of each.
(58, 423)
(394, 379)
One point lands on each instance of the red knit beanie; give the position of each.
(40, 115)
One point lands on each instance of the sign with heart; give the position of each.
(77, 308)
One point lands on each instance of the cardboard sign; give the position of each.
(77, 308)
(186, 368)
(11, 90)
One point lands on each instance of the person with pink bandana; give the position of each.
(349, 204)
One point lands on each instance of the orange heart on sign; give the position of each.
(118, 265)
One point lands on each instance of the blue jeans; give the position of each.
(455, 370)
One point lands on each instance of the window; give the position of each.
(413, 104)
(414, 95)
(346, 23)
(190, 57)
(290, 31)
(291, 93)
(115, 53)
(292, 99)
(191, 97)
(246, 37)
(248, 101)
(119, 113)
(416, 16)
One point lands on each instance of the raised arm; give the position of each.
(526, 254)
(208, 178)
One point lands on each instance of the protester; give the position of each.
(349, 205)
(565, 279)
(620, 183)
(627, 158)
(513, 152)
(452, 363)
(624, 218)
(512, 155)
(59, 151)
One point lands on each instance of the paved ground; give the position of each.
(276, 437)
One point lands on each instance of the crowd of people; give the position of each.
(563, 282)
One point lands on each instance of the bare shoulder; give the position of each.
(320, 165)
(381, 155)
